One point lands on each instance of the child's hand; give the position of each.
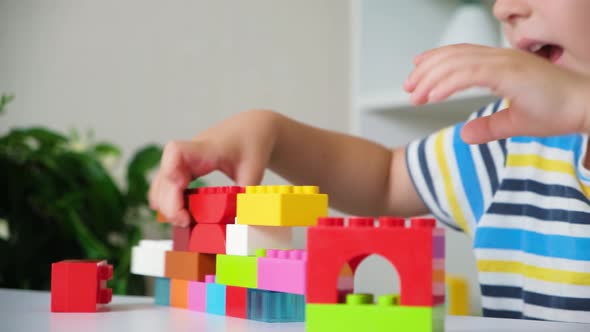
(240, 147)
(545, 99)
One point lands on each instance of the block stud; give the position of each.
(285, 189)
(330, 221)
(282, 254)
(272, 253)
(423, 222)
(356, 299)
(104, 296)
(310, 189)
(360, 222)
(260, 252)
(388, 299)
(210, 278)
(391, 222)
(296, 254)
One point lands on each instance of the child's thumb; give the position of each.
(490, 128)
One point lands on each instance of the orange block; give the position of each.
(160, 217)
(187, 265)
(179, 293)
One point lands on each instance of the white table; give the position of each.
(29, 311)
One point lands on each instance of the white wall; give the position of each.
(140, 71)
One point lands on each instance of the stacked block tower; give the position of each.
(237, 258)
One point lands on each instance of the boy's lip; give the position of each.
(544, 49)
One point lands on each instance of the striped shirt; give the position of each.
(525, 204)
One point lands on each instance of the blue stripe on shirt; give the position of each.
(468, 175)
(533, 211)
(557, 246)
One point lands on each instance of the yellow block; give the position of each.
(281, 206)
(457, 296)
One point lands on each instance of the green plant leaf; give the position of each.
(4, 100)
(141, 164)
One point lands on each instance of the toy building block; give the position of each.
(215, 297)
(160, 217)
(187, 265)
(236, 301)
(275, 307)
(281, 206)
(181, 237)
(359, 314)
(179, 293)
(417, 252)
(148, 257)
(243, 240)
(80, 285)
(457, 296)
(214, 205)
(283, 271)
(162, 291)
(197, 295)
(208, 238)
(238, 271)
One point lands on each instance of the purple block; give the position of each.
(197, 296)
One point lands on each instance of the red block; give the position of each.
(214, 205)
(79, 285)
(235, 301)
(181, 237)
(416, 252)
(208, 238)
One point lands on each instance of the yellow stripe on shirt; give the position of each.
(545, 164)
(448, 181)
(534, 272)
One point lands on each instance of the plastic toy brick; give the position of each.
(457, 296)
(283, 271)
(149, 256)
(179, 293)
(162, 291)
(181, 237)
(417, 252)
(208, 238)
(275, 307)
(374, 318)
(243, 240)
(187, 265)
(197, 296)
(80, 285)
(216, 295)
(238, 271)
(236, 301)
(214, 205)
(281, 206)
(160, 217)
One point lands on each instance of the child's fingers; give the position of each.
(249, 173)
(153, 192)
(439, 77)
(434, 58)
(465, 78)
(497, 126)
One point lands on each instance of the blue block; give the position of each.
(215, 299)
(274, 307)
(162, 291)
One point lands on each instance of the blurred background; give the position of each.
(105, 84)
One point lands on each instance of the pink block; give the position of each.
(283, 271)
(197, 296)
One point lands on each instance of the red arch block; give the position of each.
(417, 252)
(213, 205)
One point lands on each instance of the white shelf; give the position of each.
(400, 101)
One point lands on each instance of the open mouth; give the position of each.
(550, 52)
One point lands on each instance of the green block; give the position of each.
(374, 318)
(241, 271)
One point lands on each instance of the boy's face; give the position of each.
(558, 30)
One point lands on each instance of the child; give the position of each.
(522, 193)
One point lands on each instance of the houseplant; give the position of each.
(59, 201)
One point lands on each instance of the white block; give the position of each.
(148, 257)
(243, 240)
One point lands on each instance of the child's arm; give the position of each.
(361, 177)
